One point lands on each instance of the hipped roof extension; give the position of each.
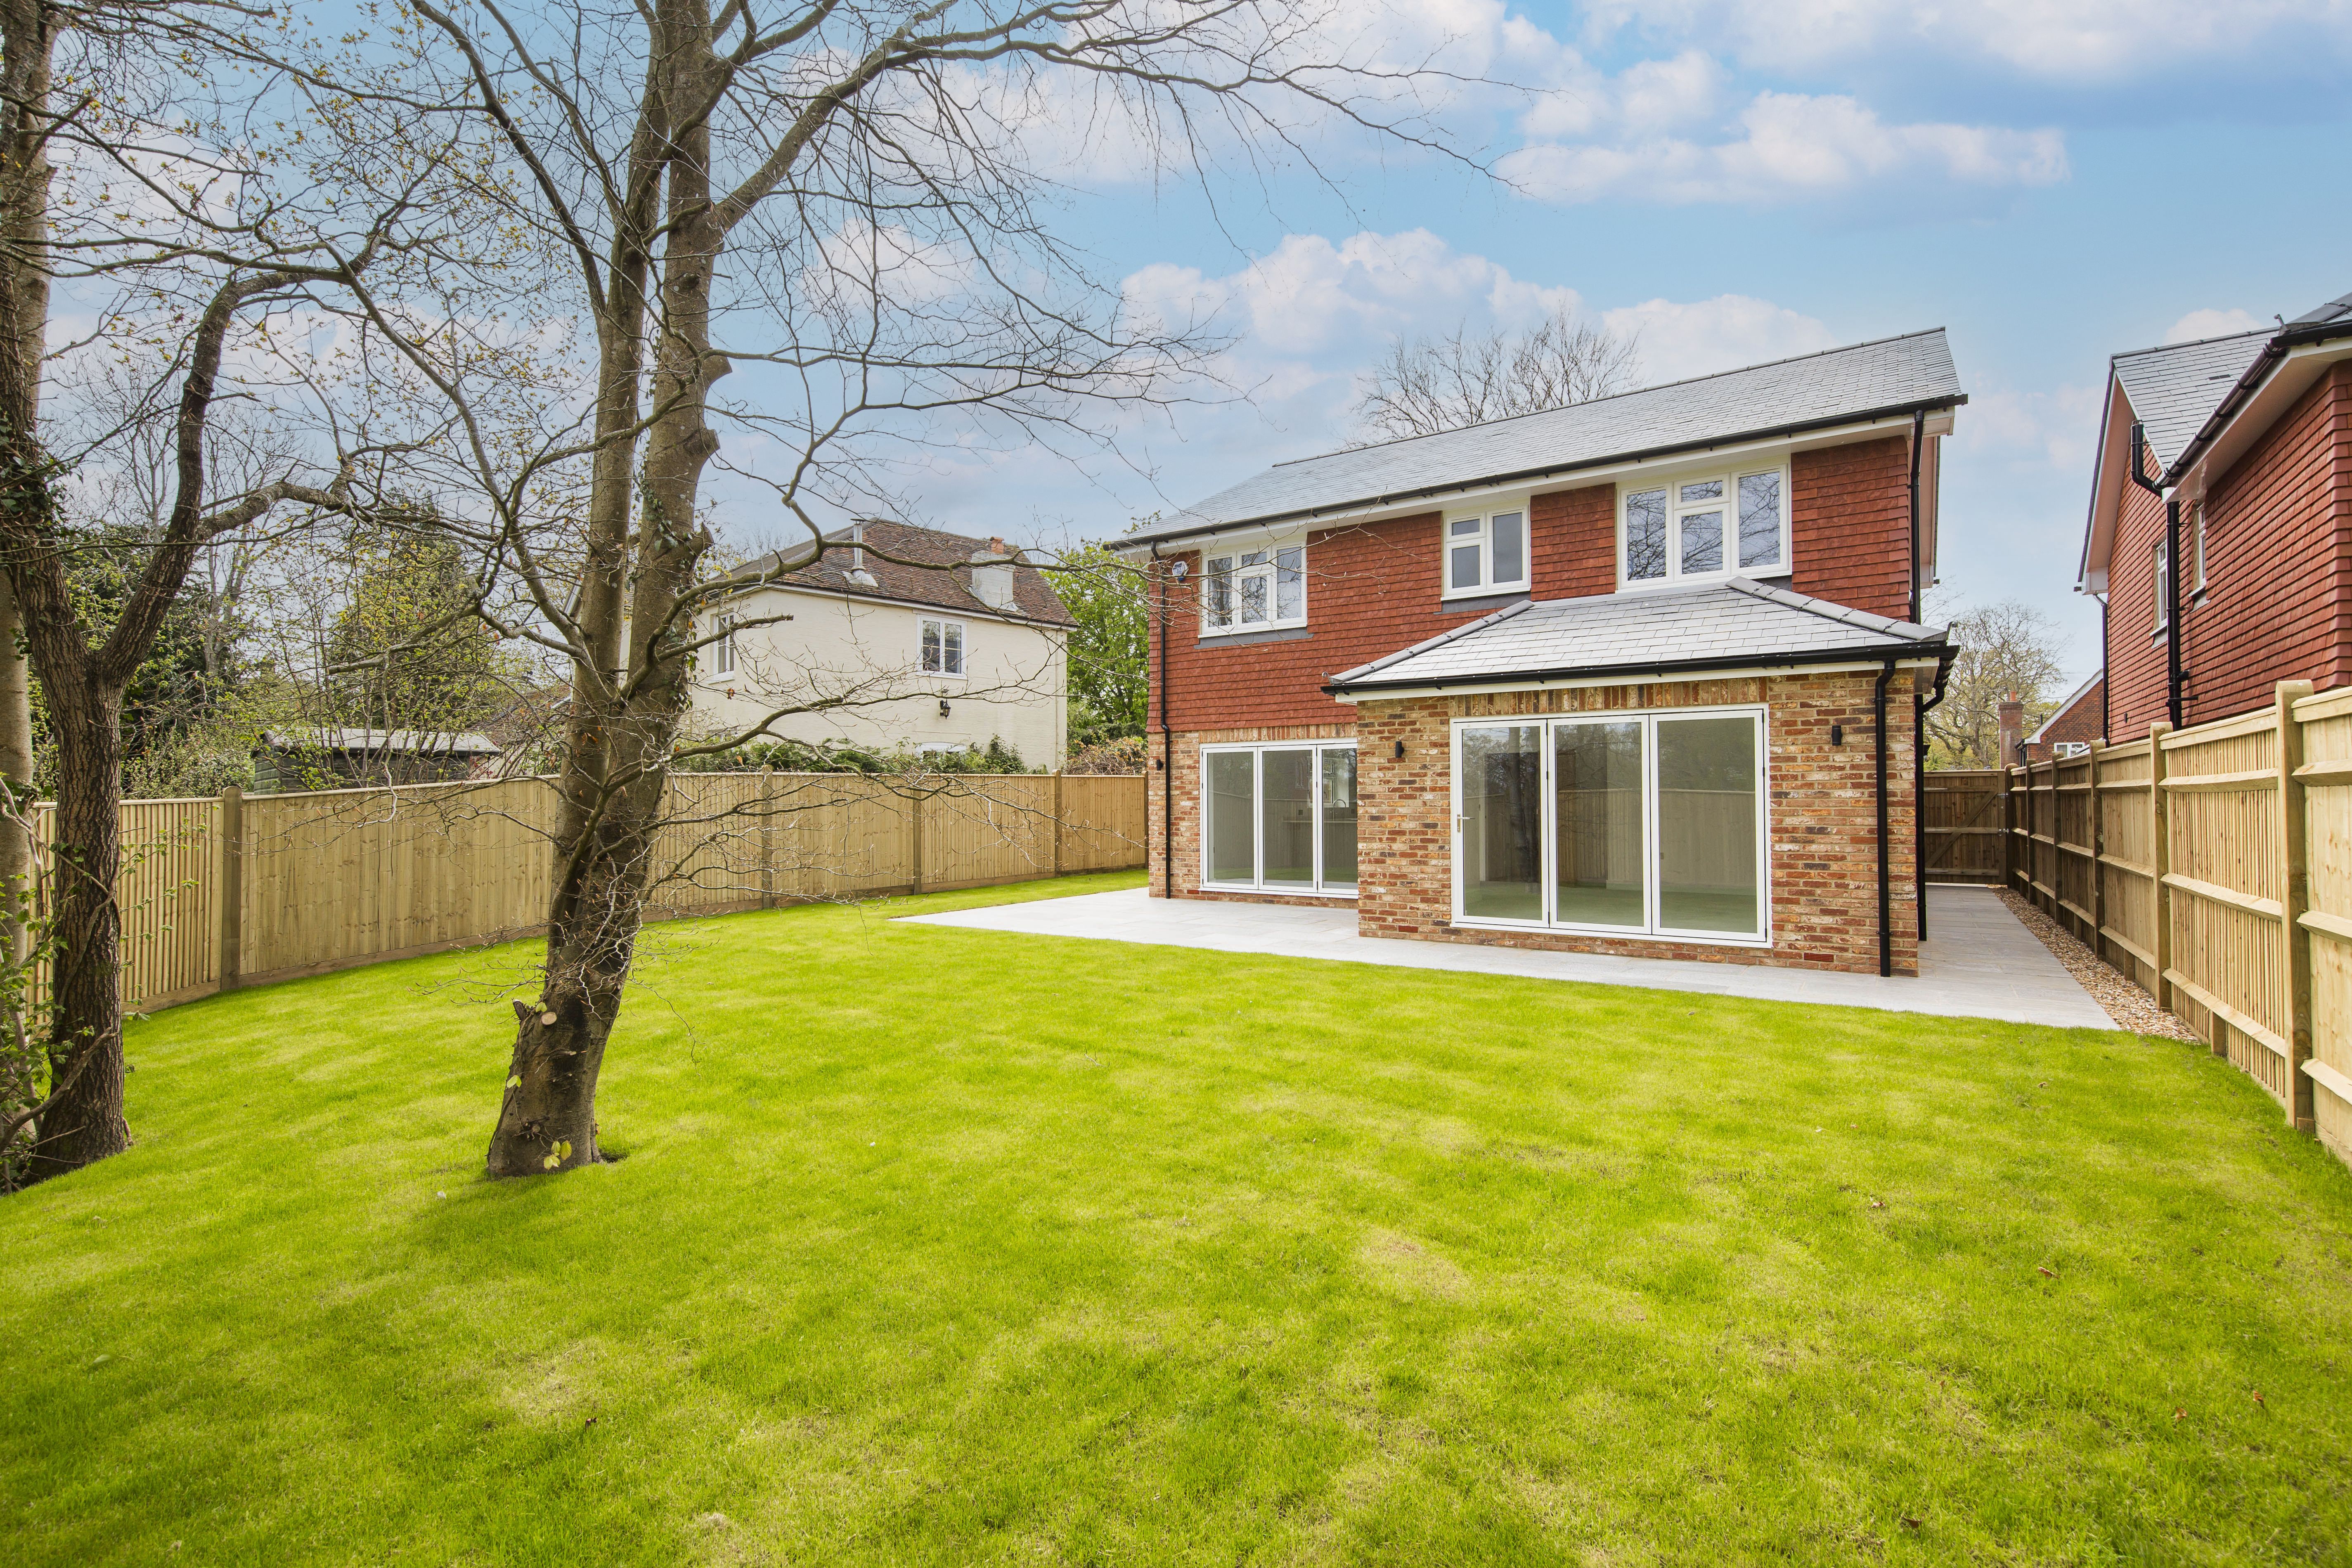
(2202, 403)
(1886, 380)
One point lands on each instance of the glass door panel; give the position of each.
(1233, 843)
(1502, 822)
(1707, 825)
(1338, 819)
(1599, 850)
(1287, 793)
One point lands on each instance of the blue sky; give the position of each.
(1741, 180)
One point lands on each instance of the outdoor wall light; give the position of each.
(1400, 751)
(1837, 734)
(943, 707)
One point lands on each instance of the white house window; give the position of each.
(1719, 525)
(1486, 554)
(722, 652)
(2196, 546)
(1280, 819)
(1254, 590)
(943, 648)
(2161, 579)
(2065, 750)
(1623, 824)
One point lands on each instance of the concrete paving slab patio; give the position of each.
(1979, 961)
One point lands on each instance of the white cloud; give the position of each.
(2075, 41)
(2057, 428)
(2210, 323)
(1789, 146)
(1679, 341)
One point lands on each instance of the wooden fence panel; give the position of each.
(1102, 823)
(2127, 861)
(2326, 771)
(1960, 825)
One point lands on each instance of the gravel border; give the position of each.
(2131, 1007)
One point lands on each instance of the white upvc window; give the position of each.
(2197, 547)
(1698, 527)
(1254, 590)
(1487, 552)
(2160, 580)
(943, 648)
(722, 652)
(1279, 818)
(1615, 824)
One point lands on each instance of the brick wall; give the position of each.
(1849, 524)
(1823, 829)
(2277, 603)
(2078, 721)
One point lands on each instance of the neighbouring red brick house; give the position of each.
(2068, 732)
(2244, 447)
(1640, 675)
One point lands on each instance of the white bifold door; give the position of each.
(1614, 823)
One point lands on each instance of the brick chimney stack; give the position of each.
(2011, 713)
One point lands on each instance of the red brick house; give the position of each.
(2080, 719)
(2244, 454)
(1639, 676)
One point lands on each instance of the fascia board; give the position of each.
(2108, 478)
(887, 601)
(2289, 380)
(1470, 687)
(1567, 478)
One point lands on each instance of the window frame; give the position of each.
(2159, 567)
(963, 646)
(1653, 928)
(1487, 584)
(722, 649)
(1670, 485)
(1256, 750)
(1269, 570)
(2197, 550)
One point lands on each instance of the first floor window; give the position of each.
(1256, 590)
(722, 652)
(2196, 546)
(1625, 823)
(2160, 578)
(1281, 818)
(1711, 526)
(1486, 554)
(943, 648)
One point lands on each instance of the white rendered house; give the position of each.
(930, 640)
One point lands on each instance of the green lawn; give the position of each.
(937, 1247)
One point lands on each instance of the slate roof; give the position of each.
(1887, 377)
(940, 574)
(1719, 625)
(2174, 389)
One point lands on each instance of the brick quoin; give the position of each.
(2277, 603)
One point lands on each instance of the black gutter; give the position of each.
(2171, 573)
(1642, 455)
(2250, 382)
(1167, 753)
(1941, 651)
(1885, 888)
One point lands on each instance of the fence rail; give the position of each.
(221, 891)
(2211, 865)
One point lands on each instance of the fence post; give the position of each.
(2159, 861)
(2008, 834)
(2294, 844)
(768, 838)
(916, 835)
(2096, 832)
(230, 916)
(1058, 822)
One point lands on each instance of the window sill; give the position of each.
(1609, 934)
(1654, 584)
(1285, 892)
(1480, 604)
(1244, 640)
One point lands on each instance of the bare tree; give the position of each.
(1427, 386)
(2008, 649)
(849, 200)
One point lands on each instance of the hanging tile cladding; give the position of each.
(1849, 524)
(1371, 589)
(2277, 603)
(1823, 821)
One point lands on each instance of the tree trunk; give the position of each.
(87, 1122)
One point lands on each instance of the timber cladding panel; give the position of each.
(245, 889)
(2223, 886)
(2277, 603)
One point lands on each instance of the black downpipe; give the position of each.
(2106, 686)
(1918, 439)
(1918, 736)
(1886, 885)
(1167, 748)
(2173, 681)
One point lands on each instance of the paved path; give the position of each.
(1979, 963)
